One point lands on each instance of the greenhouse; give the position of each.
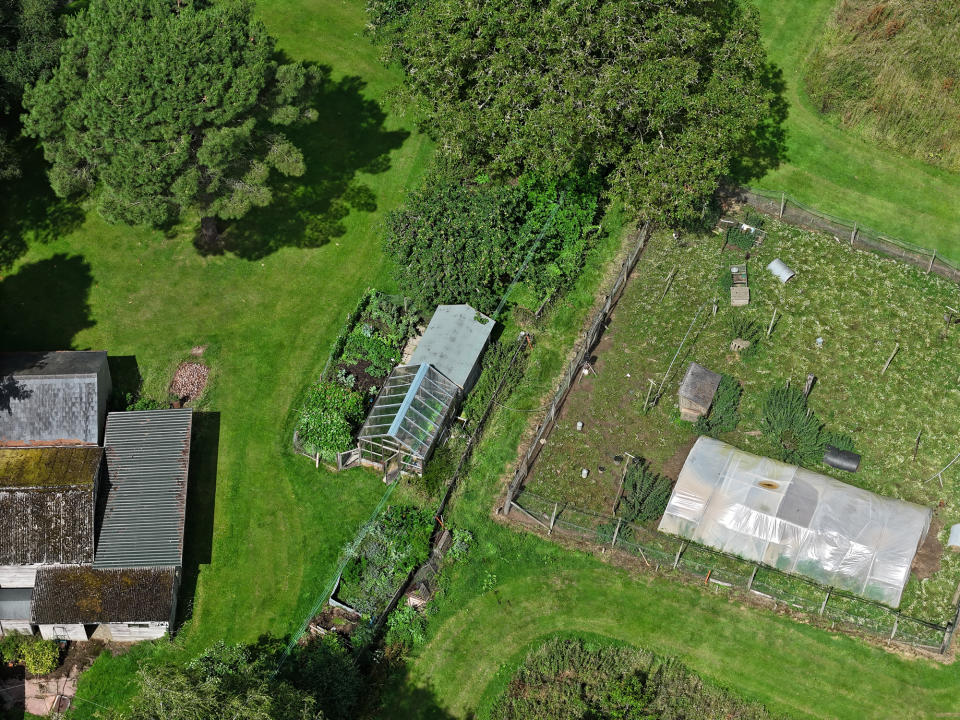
(796, 520)
(408, 418)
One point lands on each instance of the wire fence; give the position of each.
(670, 554)
(582, 355)
(790, 210)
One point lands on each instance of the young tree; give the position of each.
(658, 96)
(165, 105)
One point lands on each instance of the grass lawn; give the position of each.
(859, 303)
(265, 527)
(835, 170)
(515, 589)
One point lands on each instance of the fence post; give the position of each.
(932, 258)
(752, 576)
(553, 518)
(676, 560)
(823, 605)
(896, 622)
(783, 203)
(853, 235)
(616, 532)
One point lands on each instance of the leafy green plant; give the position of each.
(406, 627)
(460, 547)
(328, 418)
(39, 656)
(646, 493)
(746, 328)
(497, 368)
(144, 403)
(11, 646)
(724, 413)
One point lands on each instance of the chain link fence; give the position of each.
(792, 211)
(672, 554)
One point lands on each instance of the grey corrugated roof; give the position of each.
(148, 455)
(52, 397)
(15, 603)
(454, 341)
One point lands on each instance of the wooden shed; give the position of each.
(696, 392)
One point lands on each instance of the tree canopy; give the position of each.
(659, 96)
(165, 105)
(29, 47)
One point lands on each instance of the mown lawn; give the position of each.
(835, 170)
(860, 304)
(265, 527)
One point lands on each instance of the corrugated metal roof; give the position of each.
(15, 603)
(454, 341)
(148, 456)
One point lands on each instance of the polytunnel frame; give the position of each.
(408, 418)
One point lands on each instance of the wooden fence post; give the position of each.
(783, 203)
(553, 518)
(896, 623)
(676, 560)
(823, 605)
(890, 359)
(616, 532)
(853, 235)
(772, 320)
(932, 258)
(752, 576)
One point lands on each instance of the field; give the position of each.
(834, 169)
(860, 305)
(265, 526)
(515, 589)
(880, 70)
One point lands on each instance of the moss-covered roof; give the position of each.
(49, 467)
(87, 595)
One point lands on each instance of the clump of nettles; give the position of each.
(743, 327)
(724, 412)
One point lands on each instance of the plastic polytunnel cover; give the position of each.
(796, 520)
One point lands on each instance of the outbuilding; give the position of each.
(696, 392)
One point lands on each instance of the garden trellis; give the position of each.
(408, 418)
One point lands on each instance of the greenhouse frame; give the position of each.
(796, 520)
(408, 418)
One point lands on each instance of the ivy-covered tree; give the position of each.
(161, 106)
(464, 242)
(659, 97)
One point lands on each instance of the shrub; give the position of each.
(328, 419)
(406, 627)
(647, 493)
(39, 656)
(11, 647)
(145, 403)
(746, 328)
(460, 547)
(725, 412)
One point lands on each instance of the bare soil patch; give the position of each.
(927, 560)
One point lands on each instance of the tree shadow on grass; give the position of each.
(766, 147)
(348, 138)
(400, 697)
(30, 211)
(45, 304)
(201, 497)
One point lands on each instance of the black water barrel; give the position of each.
(841, 459)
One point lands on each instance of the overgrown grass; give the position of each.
(860, 305)
(880, 69)
(515, 589)
(834, 169)
(265, 527)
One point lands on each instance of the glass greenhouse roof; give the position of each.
(411, 409)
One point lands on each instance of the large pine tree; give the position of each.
(159, 106)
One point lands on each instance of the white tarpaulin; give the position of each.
(796, 520)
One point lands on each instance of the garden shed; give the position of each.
(796, 520)
(408, 418)
(453, 343)
(696, 391)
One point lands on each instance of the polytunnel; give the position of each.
(796, 520)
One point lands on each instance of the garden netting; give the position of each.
(796, 520)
